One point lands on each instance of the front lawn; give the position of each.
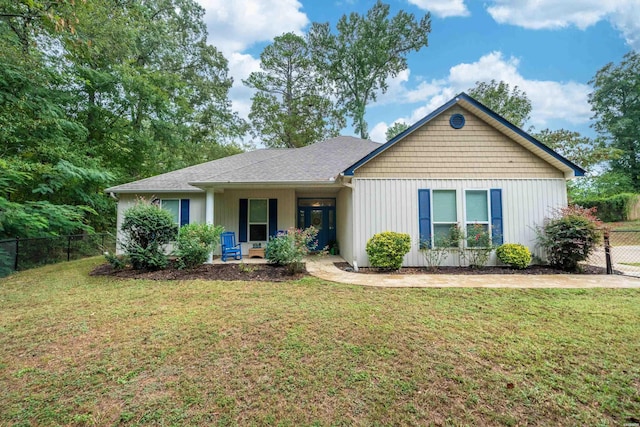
(80, 350)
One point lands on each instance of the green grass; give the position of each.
(80, 350)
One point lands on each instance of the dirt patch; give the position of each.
(259, 272)
(533, 269)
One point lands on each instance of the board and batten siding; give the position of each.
(392, 205)
(478, 150)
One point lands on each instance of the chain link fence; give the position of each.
(623, 250)
(21, 254)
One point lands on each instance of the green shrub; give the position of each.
(514, 255)
(570, 237)
(195, 242)
(386, 250)
(118, 262)
(290, 248)
(479, 246)
(146, 229)
(611, 209)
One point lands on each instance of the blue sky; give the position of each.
(548, 48)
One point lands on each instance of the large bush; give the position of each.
(386, 250)
(514, 255)
(146, 229)
(195, 242)
(289, 248)
(613, 208)
(570, 237)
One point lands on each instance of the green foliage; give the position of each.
(364, 52)
(479, 246)
(195, 243)
(615, 102)
(292, 107)
(387, 249)
(513, 105)
(570, 237)
(610, 209)
(289, 248)
(118, 262)
(514, 255)
(581, 150)
(147, 229)
(396, 129)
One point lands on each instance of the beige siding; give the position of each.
(392, 205)
(226, 208)
(344, 223)
(478, 150)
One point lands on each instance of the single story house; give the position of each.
(462, 164)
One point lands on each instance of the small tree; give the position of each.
(147, 228)
(387, 250)
(289, 248)
(570, 237)
(195, 242)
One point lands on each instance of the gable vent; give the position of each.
(456, 121)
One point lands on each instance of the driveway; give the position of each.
(323, 268)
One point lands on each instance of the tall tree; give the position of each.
(291, 107)
(512, 104)
(581, 150)
(364, 52)
(395, 129)
(615, 102)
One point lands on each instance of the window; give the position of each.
(179, 208)
(445, 216)
(258, 219)
(438, 214)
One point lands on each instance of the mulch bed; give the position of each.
(256, 272)
(533, 269)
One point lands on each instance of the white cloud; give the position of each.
(240, 66)
(443, 8)
(379, 132)
(235, 25)
(551, 100)
(551, 14)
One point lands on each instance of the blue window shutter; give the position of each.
(424, 214)
(497, 234)
(273, 217)
(243, 220)
(184, 212)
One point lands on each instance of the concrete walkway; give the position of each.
(323, 268)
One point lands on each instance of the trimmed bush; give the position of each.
(386, 250)
(514, 255)
(570, 237)
(195, 242)
(146, 229)
(611, 209)
(289, 248)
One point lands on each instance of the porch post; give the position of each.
(209, 216)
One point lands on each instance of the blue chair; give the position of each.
(229, 246)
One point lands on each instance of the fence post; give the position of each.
(15, 263)
(68, 248)
(607, 252)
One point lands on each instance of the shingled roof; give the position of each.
(319, 162)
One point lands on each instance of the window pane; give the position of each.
(316, 202)
(478, 235)
(477, 209)
(172, 206)
(442, 235)
(444, 206)
(258, 210)
(258, 232)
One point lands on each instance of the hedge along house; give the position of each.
(462, 164)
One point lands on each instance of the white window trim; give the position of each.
(433, 222)
(464, 212)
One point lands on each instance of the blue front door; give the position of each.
(316, 213)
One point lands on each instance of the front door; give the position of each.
(321, 214)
